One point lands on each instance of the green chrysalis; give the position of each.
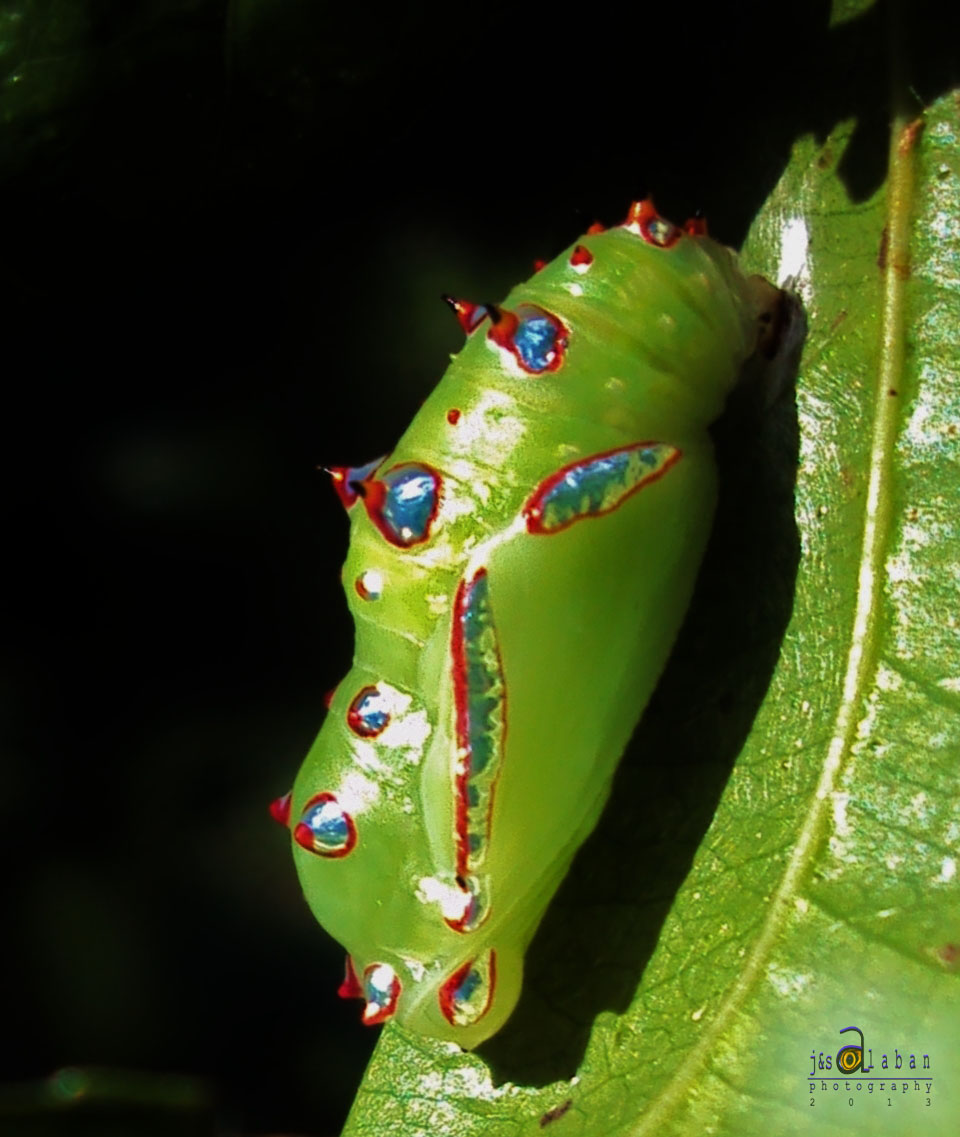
(518, 570)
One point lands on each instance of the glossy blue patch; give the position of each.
(588, 485)
(596, 485)
(483, 706)
(367, 714)
(661, 232)
(410, 502)
(536, 340)
(468, 986)
(328, 824)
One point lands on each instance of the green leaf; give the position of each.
(824, 893)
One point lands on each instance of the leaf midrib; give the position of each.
(863, 649)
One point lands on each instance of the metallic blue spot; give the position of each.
(328, 823)
(591, 481)
(410, 502)
(468, 986)
(367, 715)
(535, 340)
(661, 232)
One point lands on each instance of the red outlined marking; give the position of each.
(506, 324)
(447, 993)
(384, 1010)
(376, 495)
(463, 730)
(355, 720)
(304, 835)
(533, 510)
(642, 218)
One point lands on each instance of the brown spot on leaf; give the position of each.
(556, 1113)
(948, 954)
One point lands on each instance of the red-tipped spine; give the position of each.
(640, 214)
(469, 315)
(340, 475)
(351, 482)
(280, 809)
(350, 988)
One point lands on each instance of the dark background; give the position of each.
(225, 229)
